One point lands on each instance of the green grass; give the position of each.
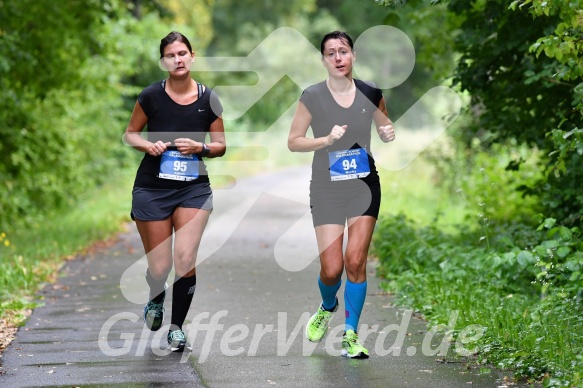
(31, 256)
(533, 338)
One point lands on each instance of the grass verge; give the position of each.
(32, 256)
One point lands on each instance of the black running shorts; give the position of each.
(159, 204)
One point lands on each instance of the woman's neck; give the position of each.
(341, 86)
(180, 86)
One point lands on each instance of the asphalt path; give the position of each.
(256, 289)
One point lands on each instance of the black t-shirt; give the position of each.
(168, 120)
(326, 113)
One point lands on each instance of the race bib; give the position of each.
(178, 167)
(348, 164)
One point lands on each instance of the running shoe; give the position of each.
(154, 315)
(318, 325)
(351, 346)
(176, 340)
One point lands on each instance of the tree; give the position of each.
(519, 95)
(565, 45)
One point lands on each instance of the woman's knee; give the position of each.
(184, 263)
(355, 265)
(331, 274)
(159, 270)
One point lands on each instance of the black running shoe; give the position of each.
(176, 340)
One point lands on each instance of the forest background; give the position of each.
(488, 217)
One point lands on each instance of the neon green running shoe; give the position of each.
(318, 325)
(351, 346)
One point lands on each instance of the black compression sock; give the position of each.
(157, 288)
(182, 294)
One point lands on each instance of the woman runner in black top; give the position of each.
(172, 193)
(345, 188)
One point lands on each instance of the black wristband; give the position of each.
(205, 150)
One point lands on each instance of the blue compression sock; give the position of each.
(354, 295)
(329, 294)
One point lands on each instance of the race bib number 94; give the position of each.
(348, 164)
(178, 167)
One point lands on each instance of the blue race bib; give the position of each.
(348, 164)
(178, 167)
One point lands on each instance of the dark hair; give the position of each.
(343, 36)
(172, 37)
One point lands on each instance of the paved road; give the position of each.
(256, 290)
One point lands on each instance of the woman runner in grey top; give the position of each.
(345, 188)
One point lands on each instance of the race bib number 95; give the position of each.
(178, 167)
(348, 164)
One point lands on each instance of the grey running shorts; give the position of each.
(159, 204)
(335, 202)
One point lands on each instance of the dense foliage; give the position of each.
(522, 65)
(59, 103)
